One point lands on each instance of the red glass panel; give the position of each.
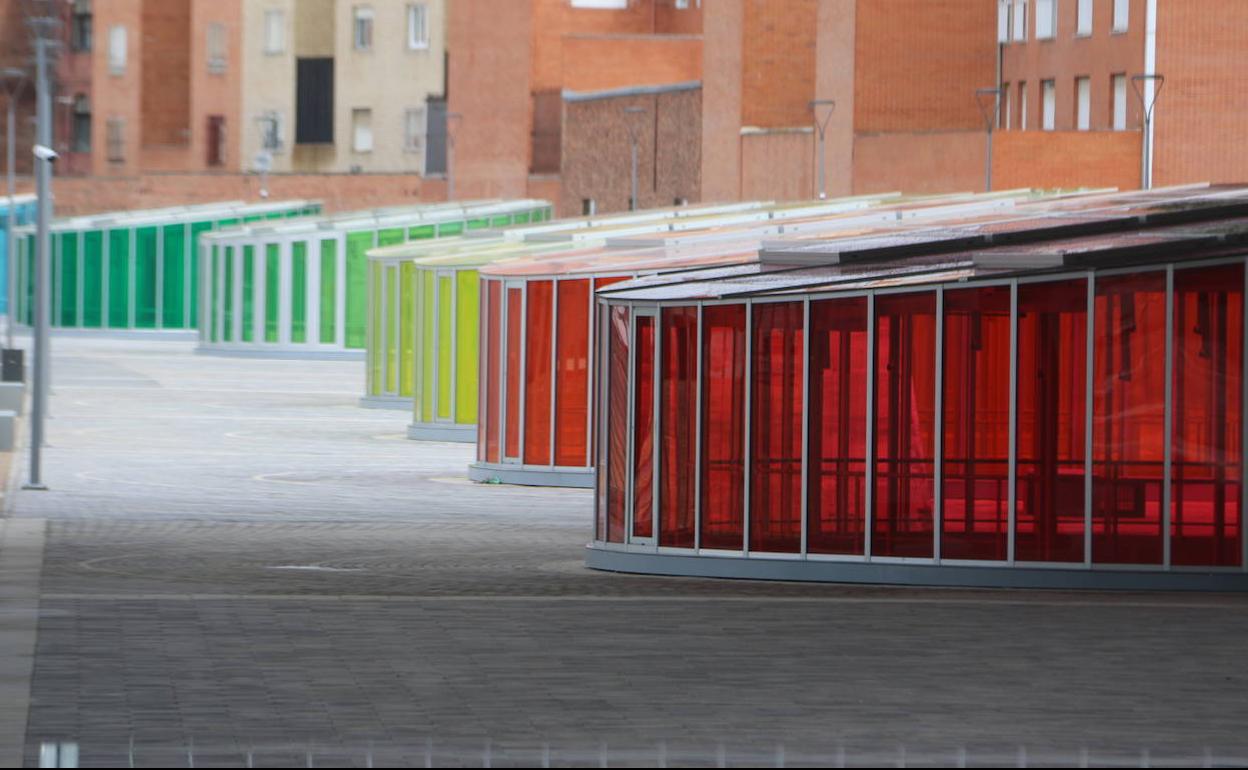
(905, 344)
(1206, 521)
(515, 329)
(1052, 404)
(678, 425)
(539, 312)
(572, 374)
(1128, 418)
(617, 423)
(976, 424)
(836, 486)
(493, 354)
(723, 426)
(643, 431)
(776, 428)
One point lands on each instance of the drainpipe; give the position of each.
(1150, 92)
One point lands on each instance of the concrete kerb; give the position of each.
(21, 566)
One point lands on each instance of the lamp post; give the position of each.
(1147, 88)
(634, 134)
(13, 81)
(821, 128)
(989, 101)
(451, 117)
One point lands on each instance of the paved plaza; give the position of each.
(236, 564)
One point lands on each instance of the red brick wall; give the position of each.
(941, 162)
(777, 166)
(116, 96)
(165, 51)
(597, 62)
(778, 62)
(1202, 111)
(918, 63)
(217, 93)
(1066, 159)
(721, 99)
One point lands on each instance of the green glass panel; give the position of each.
(390, 236)
(466, 315)
(197, 229)
(119, 279)
(173, 278)
(227, 314)
(249, 272)
(392, 342)
(227, 223)
(92, 279)
(500, 221)
(521, 218)
(377, 353)
(446, 326)
(253, 218)
(450, 228)
(428, 344)
(422, 232)
(145, 277)
(299, 292)
(478, 224)
(329, 290)
(358, 245)
(67, 279)
(271, 292)
(407, 330)
(275, 215)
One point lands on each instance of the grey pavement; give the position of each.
(241, 566)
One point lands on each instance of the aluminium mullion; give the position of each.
(630, 481)
(188, 247)
(594, 378)
(1012, 451)
(938, 439)
(602, 501)
(1167, 422)
(554, 365)
(236, 313)
(285, 291)
(697, 439)
(312, 292)
(394, 293)
(454, 278)
(1090, 384)
(804, 460)
(747, 432)
(375, 337)
(868, 514)
(160, 278)
(79, 314)
(259, 288)
(656, 478)
(340, 290)
(105, 258)
(521, 364)
(436, 363)
(132, 290)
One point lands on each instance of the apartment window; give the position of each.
(115, 137)
(1005, 108)
(417, 26)
(1003, 20)
(681, 4)
(80, 26)
(216, 140)
(1046, 19)
(363, 28)
(1084, 27)
(362, 130)
(216, 47)
(1119, 83)
(1048, 96)
(272, 132)
(82, 124)
(599, 3)
(1022, 105)
(1122, 15)
(414, 129)
(117, 50)
(588, 207)
(1019, 20)
(1083, 103)
(274, 32)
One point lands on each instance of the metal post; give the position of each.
(1147, 88)
(43, 170)
(990, 123)
(821, 127)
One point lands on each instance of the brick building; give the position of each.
(540, 88)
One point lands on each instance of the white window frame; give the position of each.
(363, 17)
(1046, 19)
(216, 42)
(1022, 105)
(600, 4)
(274, 31)
(1122, 16)
(362, 140)
(117, 49)
(1006, 114)
(115, 139)
(1083, 103)
(417, 12)
(1004, 8)
(1018, 33)
(1083, 27)
(1118, 85)
(414, 141)
(1048, 102)
(273, 119)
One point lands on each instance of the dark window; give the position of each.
(547, 131)
(80, 26)
(314, 107)
(435, 136)
(216, 140)
(82, 124)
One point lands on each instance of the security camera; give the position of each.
(46, 153)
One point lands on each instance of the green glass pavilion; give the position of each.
(133, 270)
(300, 289)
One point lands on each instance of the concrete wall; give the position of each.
(270, 82)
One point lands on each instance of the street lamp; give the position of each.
(989, 101)
(13, 81)
(1147, 88)
(634, 134)
(821, 127)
